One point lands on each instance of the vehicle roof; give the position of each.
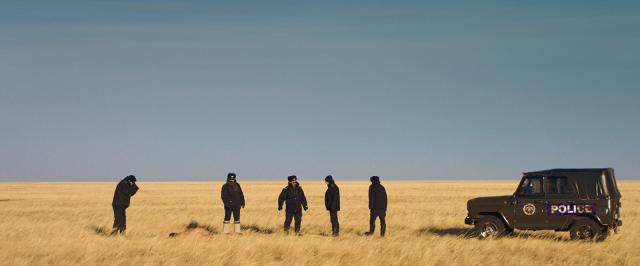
(556, 171)
(592, 181)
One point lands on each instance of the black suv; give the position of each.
(585, 202)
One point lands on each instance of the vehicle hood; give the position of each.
(493, 200)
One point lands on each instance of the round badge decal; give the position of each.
(529, 209)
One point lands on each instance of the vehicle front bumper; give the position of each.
(468, 220)
(618, 223)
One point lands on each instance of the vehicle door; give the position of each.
(561, 203)
(530, 204)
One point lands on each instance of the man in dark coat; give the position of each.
(332, 203)
(377, 206)
(121, 199)
(293, 196)
(233, 200)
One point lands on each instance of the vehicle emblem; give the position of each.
(529, 209)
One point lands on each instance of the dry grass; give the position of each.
(54, 223)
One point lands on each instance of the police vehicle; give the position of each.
(585, 202)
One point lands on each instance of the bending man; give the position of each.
(125, 189)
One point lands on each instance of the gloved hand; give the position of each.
(305, 207)
(243, 206)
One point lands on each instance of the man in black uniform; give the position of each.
(293, 195)
(121, 199)
(233, 200)
(332, 203)
(377, 206)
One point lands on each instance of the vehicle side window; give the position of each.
(531, 186)
(558, 185)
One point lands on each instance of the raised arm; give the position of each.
(133, 189)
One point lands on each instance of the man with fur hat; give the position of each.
(233, 200)
(332, 203)
(293, 196)
(377, 206)
(125, 189)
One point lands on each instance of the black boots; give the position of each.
(117, 230)
(372, 229)
(335, 231)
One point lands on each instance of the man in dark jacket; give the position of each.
(233, 200)
(294, 197)
(377, 206)
(121, 199)
(332, 203)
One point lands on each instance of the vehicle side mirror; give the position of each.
(514, 200)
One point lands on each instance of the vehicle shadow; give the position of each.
(465, 232)
(452, 231)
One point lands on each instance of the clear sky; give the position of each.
(178, 90)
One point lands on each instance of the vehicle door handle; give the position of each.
(541, 201)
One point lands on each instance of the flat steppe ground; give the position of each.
(60, 223)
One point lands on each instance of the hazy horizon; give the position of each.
(221, 179)
(97, 90)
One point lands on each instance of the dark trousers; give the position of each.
(372, 221)
(229, 211)
(287, 220)
(335, 225)
(119, 218)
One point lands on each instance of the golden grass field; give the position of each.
(54, 223)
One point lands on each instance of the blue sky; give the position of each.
(180, 90)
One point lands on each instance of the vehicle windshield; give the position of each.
(531, 186)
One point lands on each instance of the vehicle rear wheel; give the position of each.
(586, 229)
(489, 227)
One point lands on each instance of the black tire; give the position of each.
(586, 229)
(490, 227)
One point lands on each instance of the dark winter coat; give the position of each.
(332, 197)
(123, 193)
(294, 198)
(232, 198)
(377, 197)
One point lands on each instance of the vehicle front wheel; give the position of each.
(489, 227)
(586, 229)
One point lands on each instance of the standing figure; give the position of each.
(332, 203)
(233, 200)
(377, 206)
(294, 197)
(125, 189)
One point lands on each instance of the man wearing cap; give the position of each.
(125, 189)
(293, 196)
(332, 203)
(377, 206)
(233, 200)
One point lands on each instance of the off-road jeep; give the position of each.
(585, 202)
